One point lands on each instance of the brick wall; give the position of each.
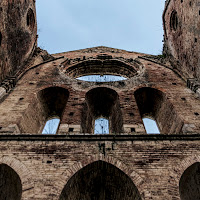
(23, 110)
(181, 28)
(18, 31)
(155, 164)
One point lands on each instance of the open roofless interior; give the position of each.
(84, 158)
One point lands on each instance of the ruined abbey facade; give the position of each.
(75, 163)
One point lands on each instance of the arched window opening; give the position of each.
(150, 126)
(11, 186)
(30, 19)
(101, 78)
(189, 185)
(174, 21)
(100, 180)
(51, 126)
(101, 126)
(49, 103)
(53, 101)
(104, 103)
(155, 104)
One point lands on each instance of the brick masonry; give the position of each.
(75, 163)
(182, 36)
(46, 164)
(23, 108)
(18, 39)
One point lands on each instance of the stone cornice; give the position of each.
(149, 137)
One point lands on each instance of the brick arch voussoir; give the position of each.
(135, 177)
(23, 172)
(156, 87)
(117, 90)
(176, 173)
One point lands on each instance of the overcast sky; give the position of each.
(65, 25)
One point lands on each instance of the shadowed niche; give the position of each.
(102, 102)
(100, 181)
(30, 19)
(154, 104)
(53, 100)
(50, 103)
(10, 184)
(189, 185)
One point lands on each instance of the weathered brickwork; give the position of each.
(151, 166)
(168, 100)
(18, 39)
(45, 166)
(181, 27)
(75, 163)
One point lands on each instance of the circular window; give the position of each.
(174, 21)
(101, 78)
(30, 19)
(101, 71)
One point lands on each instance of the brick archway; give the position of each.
(177, 172)
(154, 103)
(134, 176)
(102, 102)
(23, 172)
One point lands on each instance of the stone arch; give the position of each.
(174, 20)
(134, 176)
(177, 172)
(22, 171)
(10, 182)
(102, 102)
(189, 184)
(53, 100)
(48, 103)
(154, 103)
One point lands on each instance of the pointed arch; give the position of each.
(102, 102)
(10, 183)
(49, 103)
(189, 184)
(22, 171)
(177, 172)
(100, 180)
(153, 103)
(134, 176)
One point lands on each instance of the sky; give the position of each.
(131, 25)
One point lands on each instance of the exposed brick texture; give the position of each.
(18, 31)
(75, 163)
(181, 26)
(170, 102)
(154, 166)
